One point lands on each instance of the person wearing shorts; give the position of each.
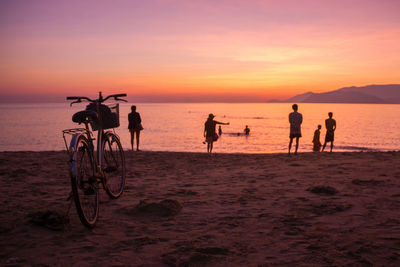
(330, 125)
(135, 126)
(295, 120)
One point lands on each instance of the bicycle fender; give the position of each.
(72, 145)
(72, 149)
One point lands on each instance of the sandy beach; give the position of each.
(193, 209)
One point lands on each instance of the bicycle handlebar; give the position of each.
(100, 100)
(116, 97)
(79, 97)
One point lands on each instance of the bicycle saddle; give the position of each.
(84, 115)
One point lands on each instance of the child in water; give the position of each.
(316, 142)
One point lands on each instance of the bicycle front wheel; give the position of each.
(84, 183)
(113, 165)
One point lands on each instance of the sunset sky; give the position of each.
(197, 50)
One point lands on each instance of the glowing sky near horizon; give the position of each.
(265, 49)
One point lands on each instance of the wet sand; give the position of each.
(313, 209)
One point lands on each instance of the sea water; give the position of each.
(180, 126)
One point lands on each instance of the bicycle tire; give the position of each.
(113, 165)
(84, 183)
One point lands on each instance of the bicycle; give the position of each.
(89, 167)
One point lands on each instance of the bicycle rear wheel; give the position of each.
(113, 165)
(84, 183)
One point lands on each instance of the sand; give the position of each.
(193, 209)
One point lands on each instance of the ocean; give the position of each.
(179, 126)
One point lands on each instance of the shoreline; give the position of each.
(222, 153)
(330, 209)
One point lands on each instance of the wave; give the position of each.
(244, 118)
(356, 148)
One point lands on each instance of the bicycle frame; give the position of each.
(76, 132)
(100, 134)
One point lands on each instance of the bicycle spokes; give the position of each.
(84, 183)
(113, 166)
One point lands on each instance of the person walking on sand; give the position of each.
(219, 130)
(330, 125)
(209, 131)
(295, 120)
(135, 126)
(316, 142)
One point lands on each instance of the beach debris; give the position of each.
(323, 190)
(49, 219)
(165, 208)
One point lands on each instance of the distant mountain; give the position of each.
(300, 98)
(374, 94)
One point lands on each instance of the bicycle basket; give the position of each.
(109, 116)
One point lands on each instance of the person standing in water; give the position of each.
(247, 130)
(135, 126)
(295, 120)
(330, 125)
(316, 142)
(219, 130)
(209, 131)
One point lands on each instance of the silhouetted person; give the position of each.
(135, 126)
(247, 130)
(316, 142)
(209, 131)
(330, 125)
(295, 120)
(219, 130)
